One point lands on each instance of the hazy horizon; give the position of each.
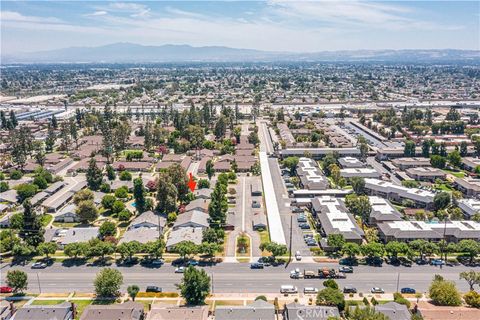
(275, 25)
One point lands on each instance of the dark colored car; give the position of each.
(256, 265)
(153, 289)
(408, 290)
(304, 226)
(349, 289)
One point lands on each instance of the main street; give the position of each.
(237, 277)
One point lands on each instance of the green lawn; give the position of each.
(264, 236)
(45, 220)
(443, 187)
(458, 174)
(81, 305)
(46, 302)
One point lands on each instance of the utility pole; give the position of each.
(398, 280)
(39, 286)
(212, 284)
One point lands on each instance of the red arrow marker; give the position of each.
(191, 183)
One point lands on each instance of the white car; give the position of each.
(298, 256)
(296, 274)
(310, 290)
(377, 290)
(180, 270)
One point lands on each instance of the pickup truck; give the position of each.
(326, 273)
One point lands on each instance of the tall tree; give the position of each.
(195, 286)
(166, 194)
(220, 127)
(94, 175)
(209, 169)
(139, 195)
(32, 231)
(107, 282)
(218, 206)
(360, 206)
(21, 144)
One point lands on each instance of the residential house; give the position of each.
(359, 172)
(470, 163)
(350, 162)
(296, 311)
(429, 311)
(148, 219)
(169, 312)
(67, 214)
(133, 166)
(394, 311)
(204, 193)
(258, 310)
(382, 211)
(124, 311)
(406, 163)
(184, 234)
(310, 175)
(75, 235)
(469, 207)
(385, 189)
(9, 196)
(193, 219)
(406, 231)
(198, 204)
(334, 218)
(425, 174)
(469, 186)
(63, 311)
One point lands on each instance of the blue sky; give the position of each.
(275, 25)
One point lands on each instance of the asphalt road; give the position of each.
(238, 277)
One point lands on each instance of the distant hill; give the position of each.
(129, 52)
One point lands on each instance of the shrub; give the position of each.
(125, 176)
(105, 187)
(117, 206)
(124, 215)
(121, 193)
(16, 174)
(365, 301)
(261, 298)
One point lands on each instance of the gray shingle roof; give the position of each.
(258, 310)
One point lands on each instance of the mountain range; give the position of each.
(135, 53)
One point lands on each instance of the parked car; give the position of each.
(157, 262)
(408, 290)
(192, 263)
(288, 289)
(180, 270)
(377, 290)
(437, 262)
(301, 218)
(349, 289)
(304, 226)
(298, 210)
(421, 261)
(39, 265)
(5, 289)
(310, 290)
(256, 265)
(346, 269)
(153, 289)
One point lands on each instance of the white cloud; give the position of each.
(98, 13)
(18, 17)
